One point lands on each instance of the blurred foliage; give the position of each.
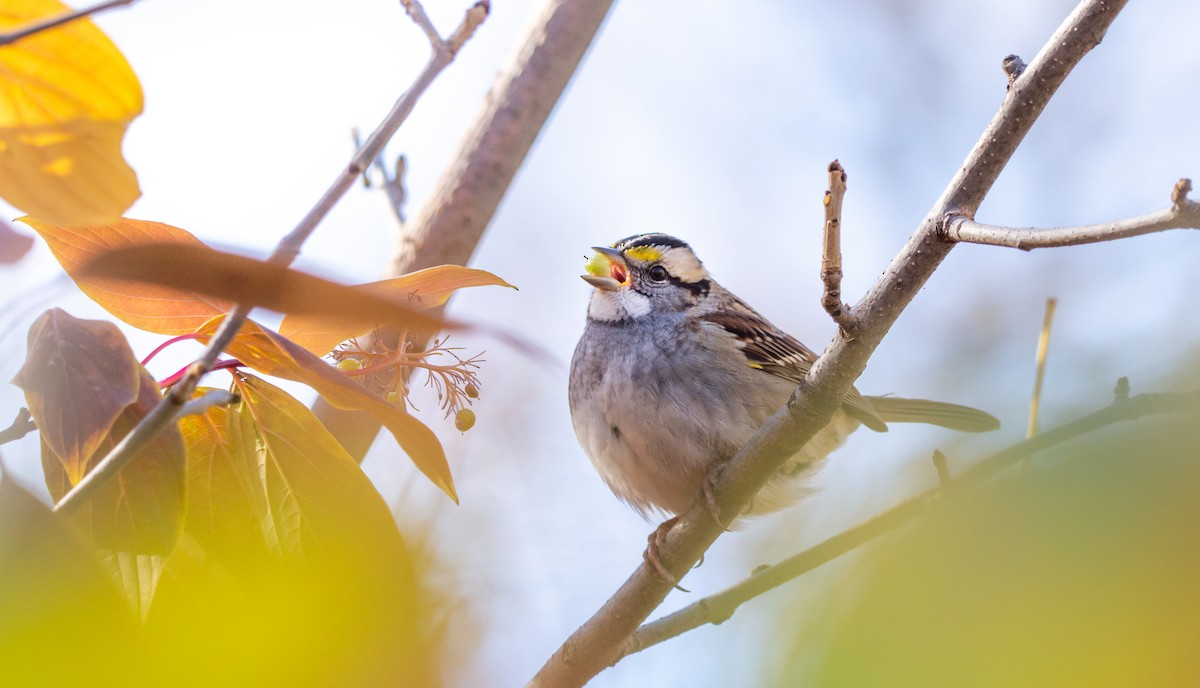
(242, 545)
(1081, 572)
(66, 97)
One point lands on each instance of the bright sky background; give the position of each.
(713, 122)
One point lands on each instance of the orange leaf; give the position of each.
(272, 354)
(200, 269)
(66, 97)
(422, 289)
(79, 377)
(152, 308)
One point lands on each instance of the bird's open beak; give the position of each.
(607, 269)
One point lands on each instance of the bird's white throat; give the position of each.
(611, 306)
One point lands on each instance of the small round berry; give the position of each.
(471, 390)
(464, 420)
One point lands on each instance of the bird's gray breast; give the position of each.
(656, 400)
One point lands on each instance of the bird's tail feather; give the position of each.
(953, 416)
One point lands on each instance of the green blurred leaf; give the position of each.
(292, 570)
(61, 618)
(1081, 573)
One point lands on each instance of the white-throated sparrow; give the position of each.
(673, 373)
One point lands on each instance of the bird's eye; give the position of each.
(658, 274)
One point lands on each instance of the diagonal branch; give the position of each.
(597, 644)
(285, 252)
(14, 36)
(719, 607)
(1183, 214)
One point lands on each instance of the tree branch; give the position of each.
(451, 223)
(717, 608)
(21, 426)
(285, 252)
(1183, 214)
(831, 256)
(14, 36)
(597, 644)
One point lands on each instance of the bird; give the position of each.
(673, 373)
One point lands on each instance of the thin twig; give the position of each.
(21, 426)
(393, 179)
(1121, 389)
(720, 606)
(1183, 214)
(942, 467)
(598, 642)
(285, 252)
(210, 399)
(14, 36)
(831, 256)
(1043, 347)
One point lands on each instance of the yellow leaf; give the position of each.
(147, 307)
(269, 353)
(66, 97)
(291, 570)
(422, 289)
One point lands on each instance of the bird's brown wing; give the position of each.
(772, 350)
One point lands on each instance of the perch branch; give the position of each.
(202, 403)
(719, 607)
(831, 256)
(14, 36)
(285, 252)
(448, 227)
(1183, 214)
(21, 426)
(598, 642)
